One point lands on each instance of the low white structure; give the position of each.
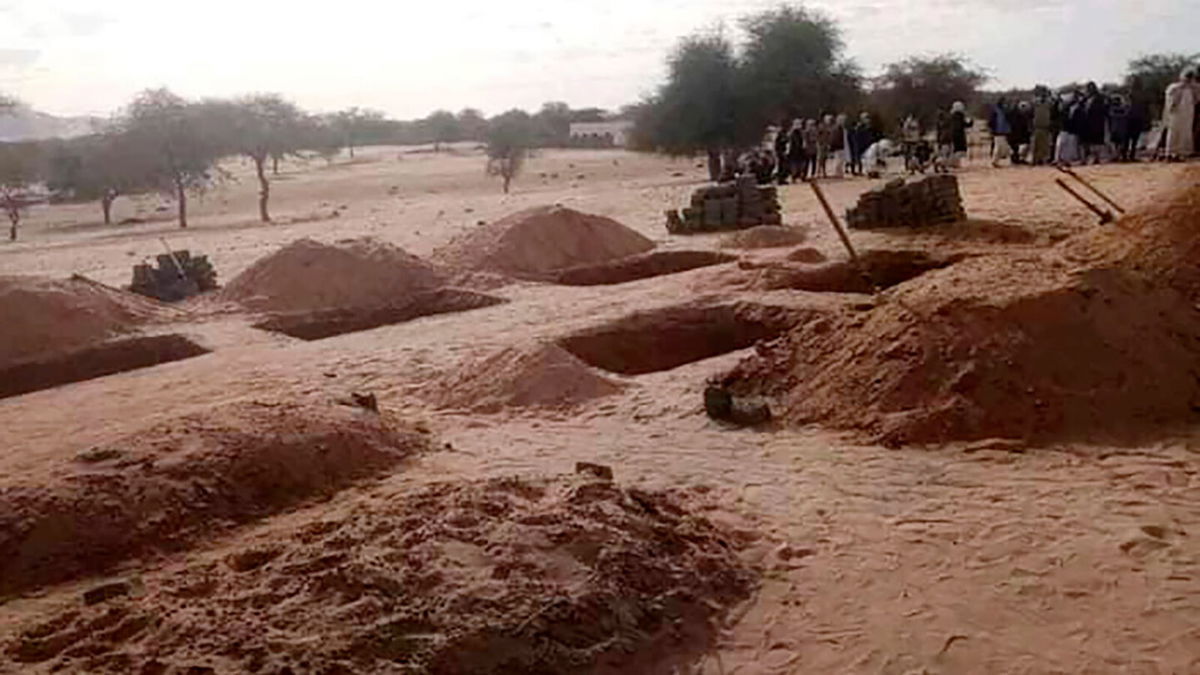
(601, 134)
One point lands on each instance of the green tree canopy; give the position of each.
(922, 86)
(509, 137)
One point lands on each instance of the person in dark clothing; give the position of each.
(958, 132)
(1137, 120)
(781, 154)
(861, 138)
(1095, 121)
(1118, 125)
(1020, 131)
(797, 153)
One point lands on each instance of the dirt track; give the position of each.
(984, 557)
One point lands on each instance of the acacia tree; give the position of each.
(443, 127)
(1151, 74)
(101, 167)
(508, 139)
(553, 124)
(696, 110)
(921, 86)
(262, 127)
(472, 125)
(176, 142)
(20, 169)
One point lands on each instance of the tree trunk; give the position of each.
(14, 217)
(507, 180)
(264, 192)
(351, 146)
(181, 195)
(274, 166)
(714, 164)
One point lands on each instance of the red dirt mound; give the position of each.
(1161, 241)
(40, 316)
(764, 236)
(566, 575)
(308, 275)
(535, 376)
(993, 347)
(157, 489)
(534, 243)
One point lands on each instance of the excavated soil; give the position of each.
(1161, 241)
(321, 324)
(538, 242)
(998, 346)
(764, 236)
(663, 339)
(564, 575)
(44, 317)
(645, 266)
(92, 362)
(539, 376)
(309, 275)
(163, 487)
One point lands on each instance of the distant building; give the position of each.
(614, 134)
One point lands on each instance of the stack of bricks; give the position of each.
(730, 206)
(932, 200)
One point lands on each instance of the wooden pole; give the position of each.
(1070, 172)
(837, 225)
(1106, 217)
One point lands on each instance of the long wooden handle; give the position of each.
(1088, 185)
(1105, 216)
(837, 225)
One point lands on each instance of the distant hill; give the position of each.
(23, 123)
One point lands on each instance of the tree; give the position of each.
(261, 127)
(20, 169)
(553, 124)
(443, 127)
(1153, 73)
(697, 109)
(472, 125)
(100, 167)
(508, 139)
(793, 65)
(922, 86)
(176, 143)
(357, 127)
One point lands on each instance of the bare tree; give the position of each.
(508, 139)
(20, 168)
(175, 142)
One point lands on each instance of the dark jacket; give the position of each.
(796, 144)
(862, 137)
(958, 130)
(1095, 112)
(1021, 127)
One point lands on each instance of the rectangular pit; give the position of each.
(645, 266)
(93, 362)
(664, 339)
(328, 323)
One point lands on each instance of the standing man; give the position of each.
(781, 153)
(796, 149)
(1137, 119)
(1095, 121)
(1043, 126)
(1021, 133)
(863, 137)
(958, 132)
(1001, 128)
(1179, 114)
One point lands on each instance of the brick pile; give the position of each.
(930, 200)
(736, 205)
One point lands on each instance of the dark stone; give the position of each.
(596, 470)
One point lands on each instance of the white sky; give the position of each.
(408, 58)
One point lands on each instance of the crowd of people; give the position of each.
(1075, 126)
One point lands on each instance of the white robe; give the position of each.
(1178, 116)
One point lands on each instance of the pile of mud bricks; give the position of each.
(927, 201)
(729, 206)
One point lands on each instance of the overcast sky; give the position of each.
(408, 58)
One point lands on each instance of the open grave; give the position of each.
(325, 323)
(108, 358)
(645, 266)
(883, 269)
(663, 339)
(165, 486)
(568, 574)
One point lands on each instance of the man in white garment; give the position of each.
(1179, 112)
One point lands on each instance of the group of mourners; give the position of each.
(1089, 126)
(1070, 127)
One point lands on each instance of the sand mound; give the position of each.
(501, 576)
(993, 347)
(764, 236)
(643, 266)
(537, 376)
(43, 316)
(308, 274)
(534, 243)
(1161, 241)
(159, 488)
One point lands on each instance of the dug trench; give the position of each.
(647, 342)
(93, 362)
(877, 269)
(321, 324)
(644, 266)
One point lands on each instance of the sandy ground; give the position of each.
(980, 558)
